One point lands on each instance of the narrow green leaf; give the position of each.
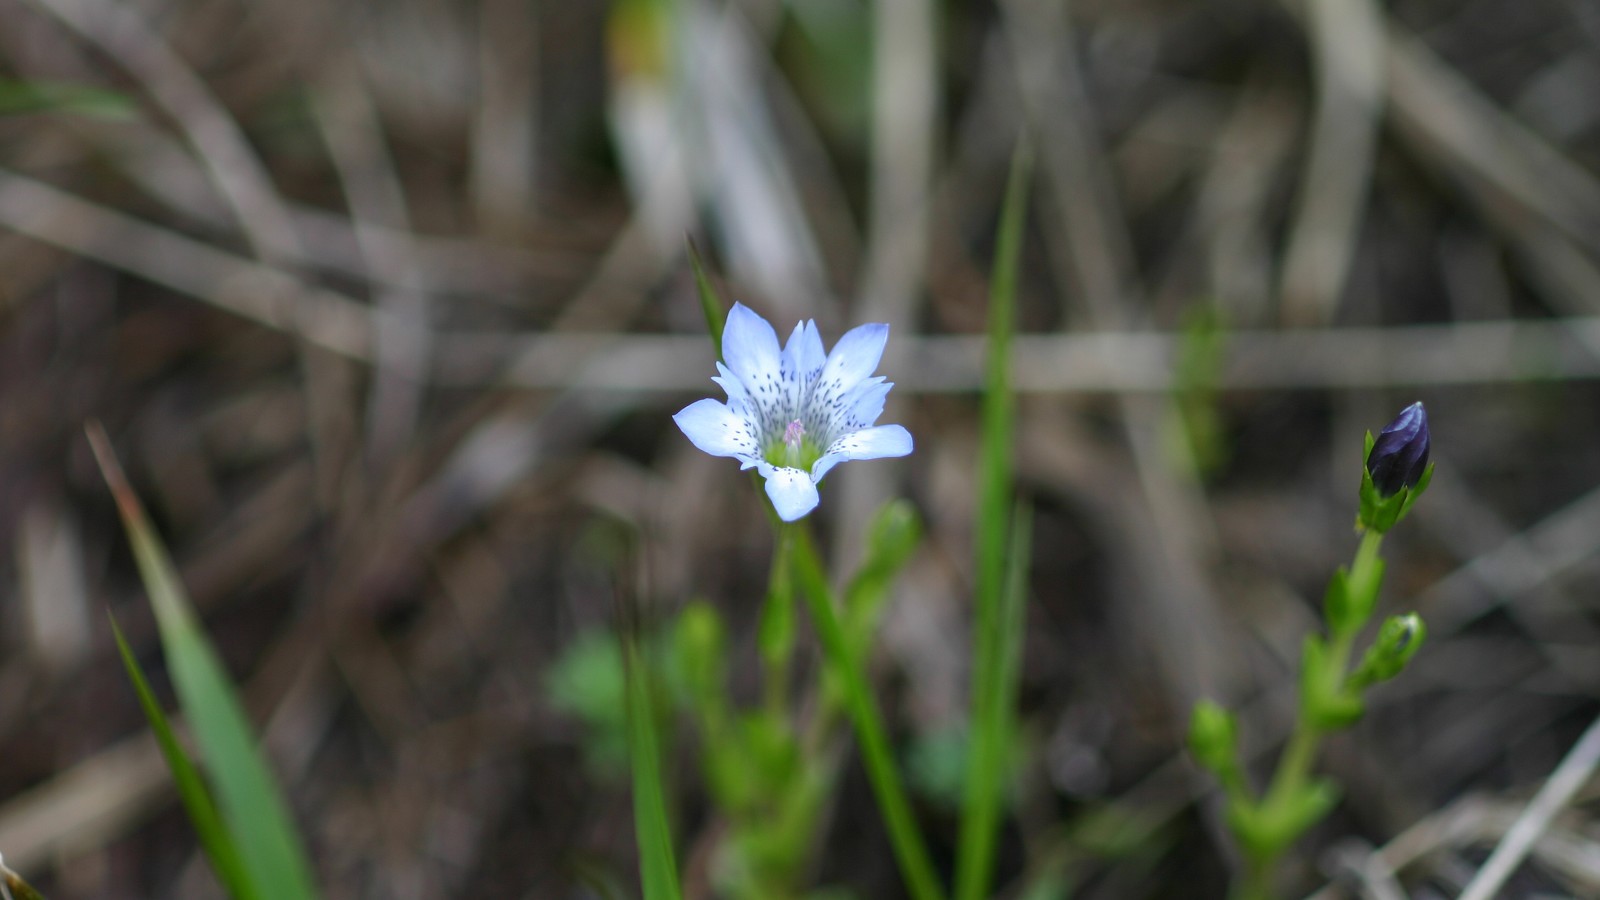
(710, 303)
(658, 868)
(995, 718)
(975, 852)
(18, 97)
(248, 796)
(999, 403)
(214, 837)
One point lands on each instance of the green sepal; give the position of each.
(1416, 491)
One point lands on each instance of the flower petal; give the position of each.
(852, 359)
(750, 347)
(868, 443)
(792, 491)
(803, 358)
(718, 430)
(858, 352)
(805, 348)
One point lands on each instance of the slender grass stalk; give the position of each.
(910, 851)
(995, 648)
(658, 868)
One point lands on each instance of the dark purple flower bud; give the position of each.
(1400, 454)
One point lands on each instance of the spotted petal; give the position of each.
(857, 409)
(852, 360)
(718, 430)
(792, 491)
(803, 357)
(856, 354)
(868, 443)
(750, 347)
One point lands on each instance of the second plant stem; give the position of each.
(916, 866)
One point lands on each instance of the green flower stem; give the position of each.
(1365, 574)
(916, 866)
(1291, 780)
(777, 626)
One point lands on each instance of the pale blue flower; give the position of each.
(794, 414)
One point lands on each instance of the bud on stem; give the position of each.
(1396, 643)
(1397, 470)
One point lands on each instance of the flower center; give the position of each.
(796, 448)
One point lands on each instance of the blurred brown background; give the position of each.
(386, 309)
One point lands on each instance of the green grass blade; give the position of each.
(710, 303)
(980, 815)
(19, 97)
(995, 717)
(916, 866)
(248, 798)
(214, 837)
(658, 868)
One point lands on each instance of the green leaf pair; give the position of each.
(246, 830)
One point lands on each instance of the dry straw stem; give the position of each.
(905, 121)
(85, 806)
(1462, 353)
(1557, 792)
(376, 197)
(1467, 823)
(505, 129)
(218, 141)
(1347, 38)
